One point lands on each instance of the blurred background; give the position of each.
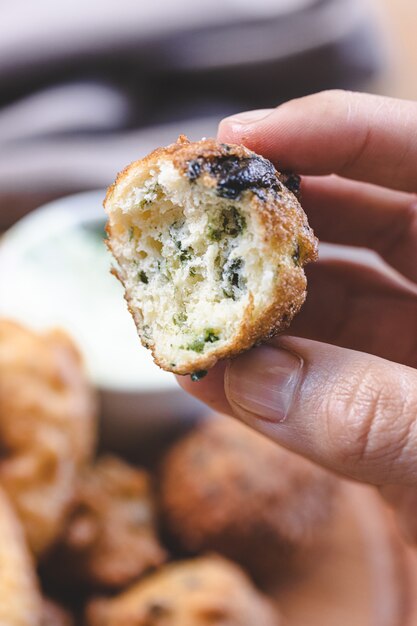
(87, 87)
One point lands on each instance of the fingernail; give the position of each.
(247, 117)
(264, 381)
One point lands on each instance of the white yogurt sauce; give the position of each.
(55, 271)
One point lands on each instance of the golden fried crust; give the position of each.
(283, 220)
(20, 600)
(227, 488)
(202, 592)
(47, 427)
(110, 537)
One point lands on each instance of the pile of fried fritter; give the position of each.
(90, 539)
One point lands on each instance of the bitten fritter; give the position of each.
(208, 591)
(47, 427)
(110, 537)
(20, 599)
(225, 487)
(210, 242)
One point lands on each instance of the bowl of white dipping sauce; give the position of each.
(55, 271)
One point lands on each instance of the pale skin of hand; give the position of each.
(341, 389)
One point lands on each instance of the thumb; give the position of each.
(352, 412)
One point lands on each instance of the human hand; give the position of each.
(343, 390)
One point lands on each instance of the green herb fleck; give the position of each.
(210, 336)
(155, 189)
(174, 232)
(152, 190)
(197, 345)
(233, 279)
(185, 255)
(131, 233)
(296, 255)
(196, 376)
(146, 334)
(179, 318)
(233, 222)
(214, 234)
(143, 277)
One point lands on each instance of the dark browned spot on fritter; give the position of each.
(292, 183)
(235, 175)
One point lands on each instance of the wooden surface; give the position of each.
(398, 19)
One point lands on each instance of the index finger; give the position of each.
(359, 136)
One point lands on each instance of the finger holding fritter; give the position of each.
(361, 136)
